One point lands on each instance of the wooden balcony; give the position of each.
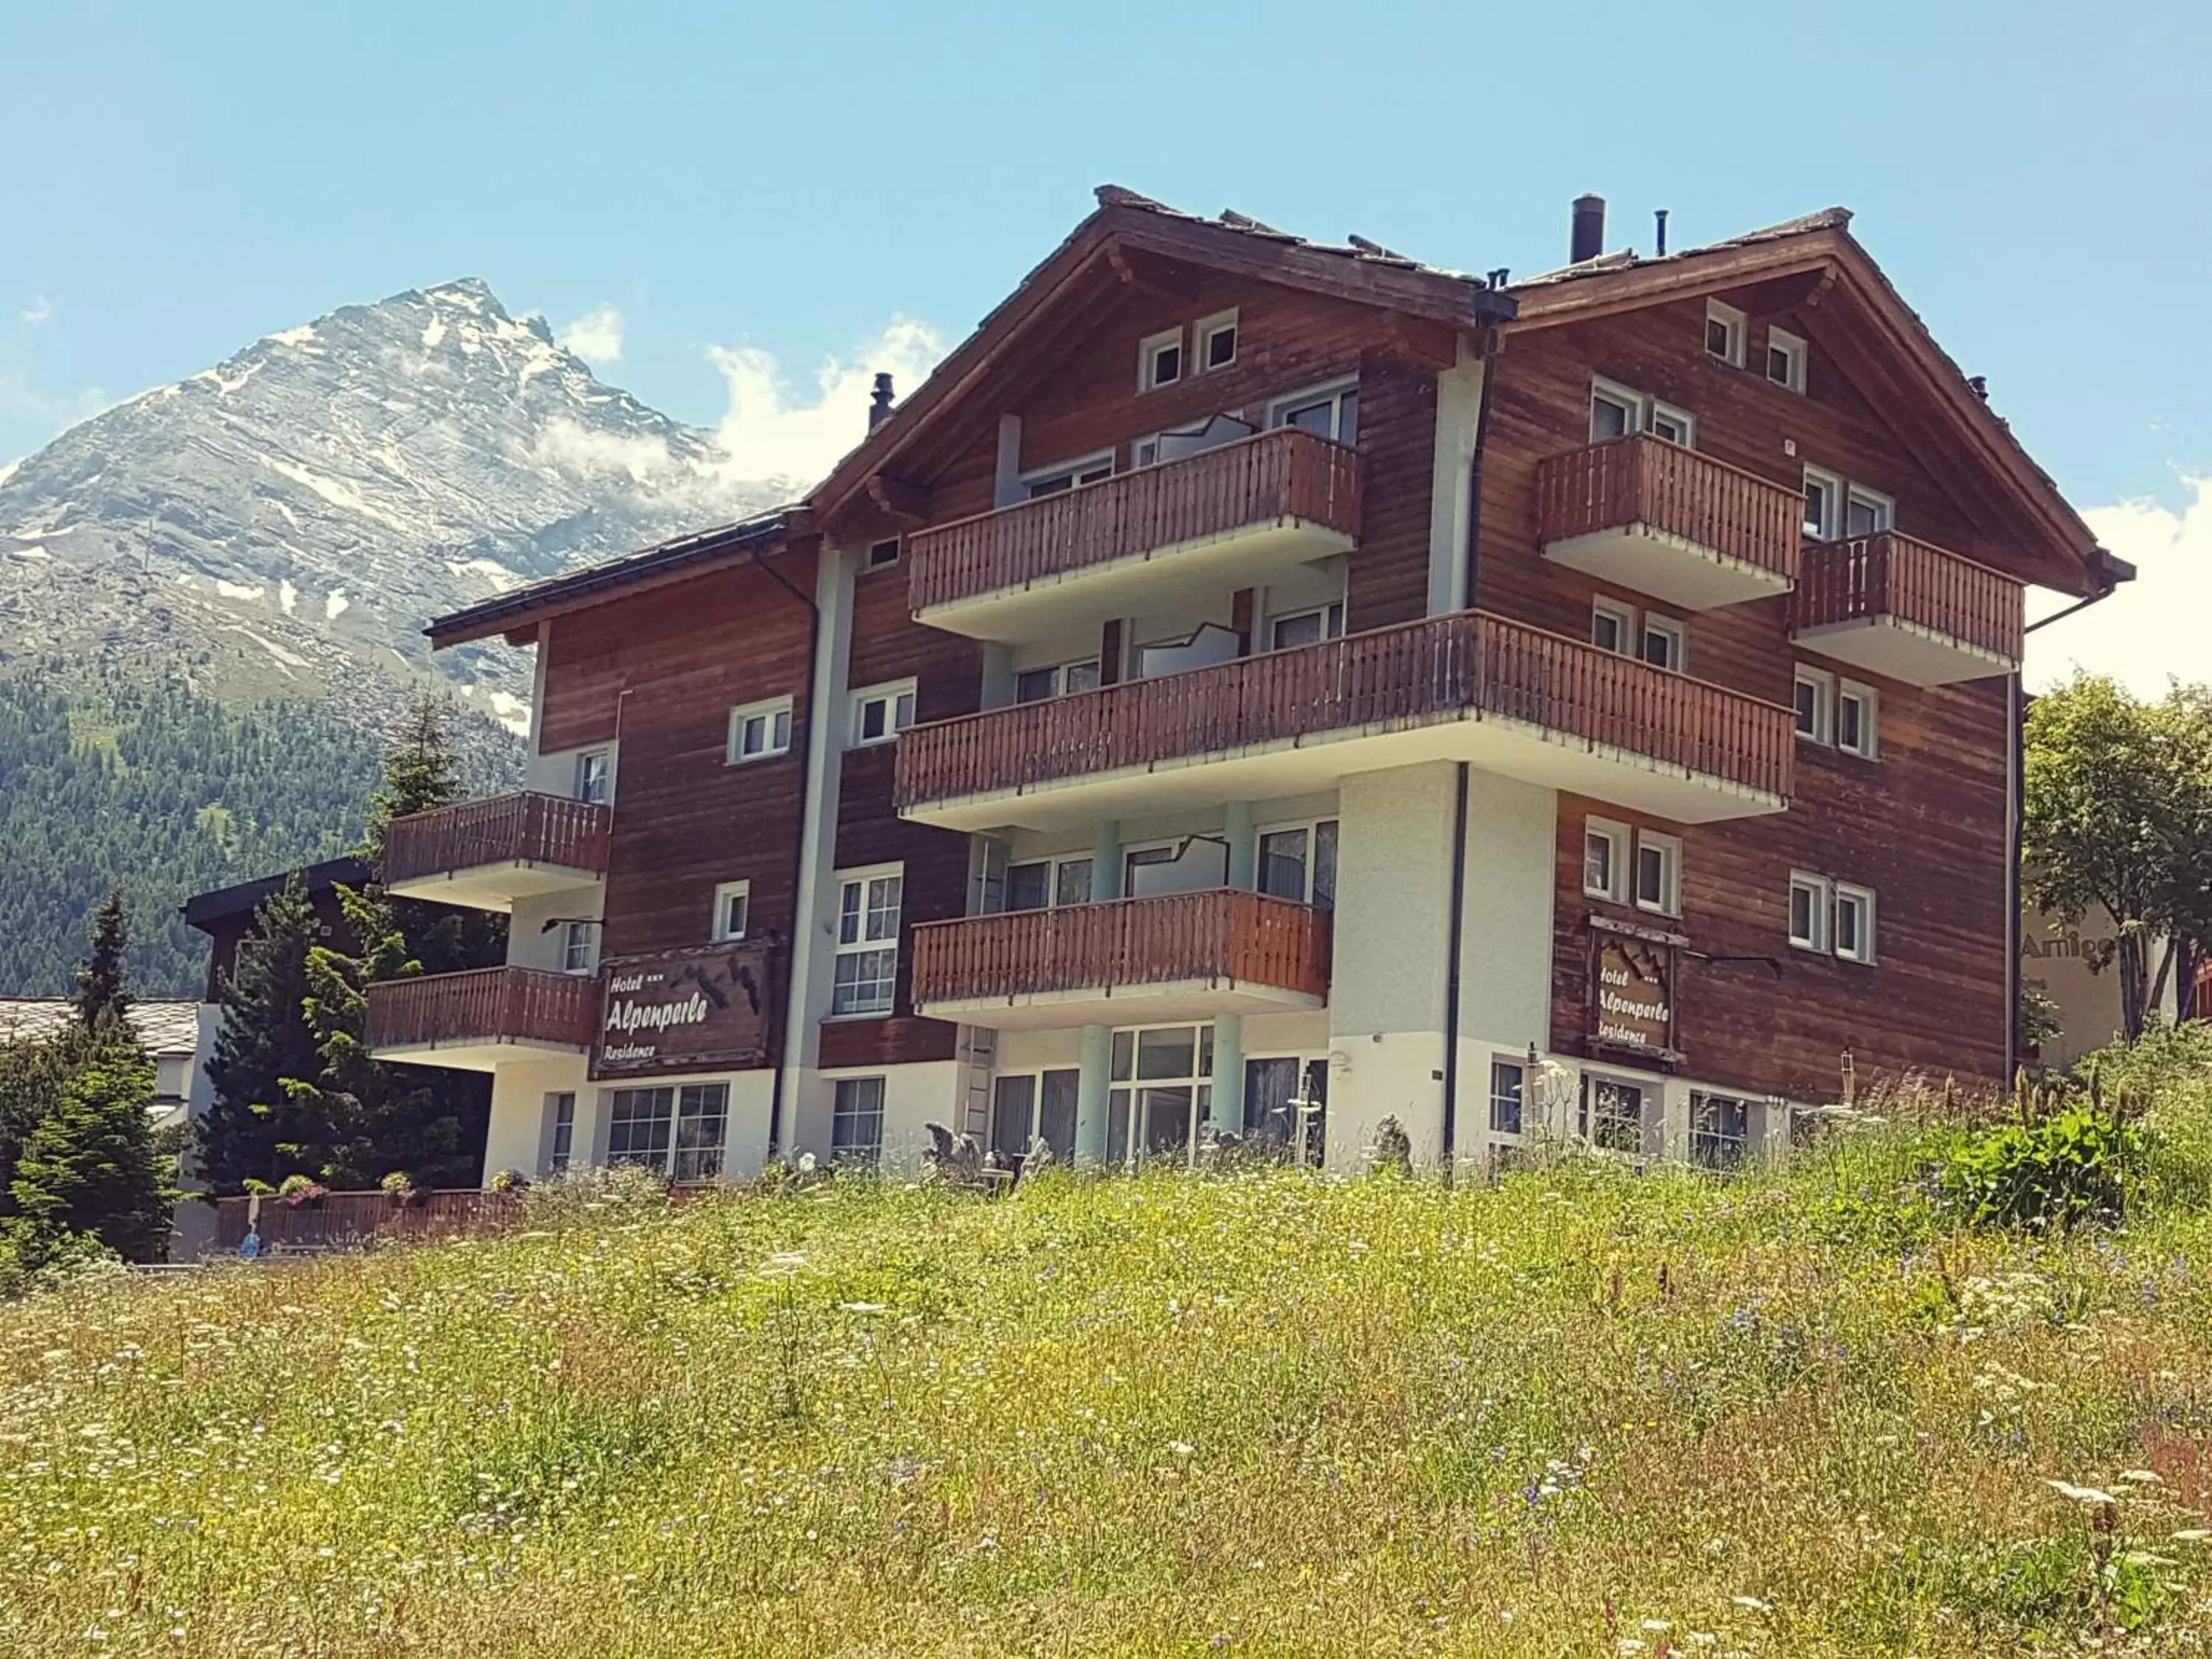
(1504, 697)
(1662, 520)
(483, 1019)
(1235, 516)
(1125, 961)
(1900, 608)
(488, 854)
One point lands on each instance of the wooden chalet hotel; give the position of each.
(1250, 674)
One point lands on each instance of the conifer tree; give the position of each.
(257, 1130)
(92, 1166)
(103, 994)
(31, 1076)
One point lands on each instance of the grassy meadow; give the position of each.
(1799, 1412)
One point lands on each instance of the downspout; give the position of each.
(2114, 571)
(798, 839)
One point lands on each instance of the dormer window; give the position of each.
(1785, 360)
(1159, 361)
(1724, 333)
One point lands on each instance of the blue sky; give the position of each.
(178, 179)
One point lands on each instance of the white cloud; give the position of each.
(38, 311)
(770, 435)
(581, 452)
(2152, 629)
(596, 337)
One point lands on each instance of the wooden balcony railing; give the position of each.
(1647, 480)
(1437, 667)
(1221, 933)
(484, 1005)
(522, 828)
(1893, 576)
(1284, 474)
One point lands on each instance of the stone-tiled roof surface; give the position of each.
(165, 1028)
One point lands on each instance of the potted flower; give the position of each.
(400, 1187)
(298, 1191)
(509, 1181)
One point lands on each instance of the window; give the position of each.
(675, 1132)
(1824, 500)
(1159, 361)
(1857, 719)
(1814, 695)
(1720, 1129)
(1305, 627)
(1509, 1085)
(733, 903)
(1618, 412)
(883, 553)
(1161, 1082)
(1058, 480)
(640, 1127)
(1023, 1108)
(856, 1120)
(1045, 883)
(594, 775)
(1194, 864)
(880, 712)
(1867, 512)
(1612, 1113)
(1658, 873)
(1300, 864)
(760, 731)
(703, 1122)
(1217, 342)
(1785, 360)
(1808, 912)
(1331, 412)
(1056, 680)
(560, 1131)
(579, 946)
(867, 973)
(1724, 333)
(1854, 926)
(1665, 641)
(1612, 626)
(1605, 859)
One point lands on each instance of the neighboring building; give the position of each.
(2060, 959)
(1250, 672)
(225, 915)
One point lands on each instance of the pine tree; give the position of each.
(31, 1077)
(257, 1130)
(423, 772)
(103, 994)
(91, 1166)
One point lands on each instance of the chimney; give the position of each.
(879, 407)
(1660, 216)
(1588, 240)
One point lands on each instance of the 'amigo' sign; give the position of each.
(1633, 995)
(683, 1010)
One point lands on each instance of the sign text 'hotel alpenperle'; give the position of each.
(1632, 993)
(683, 1010)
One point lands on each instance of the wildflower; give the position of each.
(863, 1307)
(1751, 1603)
(2141, 1477)
(2067, 1489)
(1181, 1448)
(2192, 1535)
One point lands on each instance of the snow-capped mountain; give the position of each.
(287, 522)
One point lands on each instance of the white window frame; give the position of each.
(1679, 417)
(1831, 522)
(1132, 1087)
(560, 1115)
(896, 697)
(1149, 352)
(1059, 671)
(1055, 863)
(580, 947)
(1735, 323)
(1632, 403)
(1311, 828)
(1669, 901)
(1644, 410)
(1620, 841)
(1331, 624)
(724, 893)
(865, 941)
(1869, 747)
(1202, 333)
(1711, 1150)
(1823, 705)
(1073, 471)
(1587, 1118)
(1863, 900)
(1518, 1064)
(1624, 617)
(768, 710)
(841, 1089)
(876, 558)
(1280, 408)
(605, 758)
(1883, 506)
(1793, 348)
(1822, 892)
(1675, 632)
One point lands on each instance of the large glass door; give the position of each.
(1162, 1083)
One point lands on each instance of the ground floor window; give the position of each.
(856, 1124)
(1025, 1106)
(1720, 1131)
(1612, 1113)
(1162, 1084)
(560, 1130)
(1287, 1104)
(1509, 1083)
(675, 1131)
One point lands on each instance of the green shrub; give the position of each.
(2072, 1165)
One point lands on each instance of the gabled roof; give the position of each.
(1820, 248)
(1124, 223)
(204, 911)
(524, 607)
(162, 1028)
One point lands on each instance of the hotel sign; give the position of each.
(1633, 994)
(683, 1010)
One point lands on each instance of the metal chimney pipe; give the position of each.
(1588, 240)
(1660, 215)
(879, 406)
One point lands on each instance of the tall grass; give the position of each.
(1798, 1412)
